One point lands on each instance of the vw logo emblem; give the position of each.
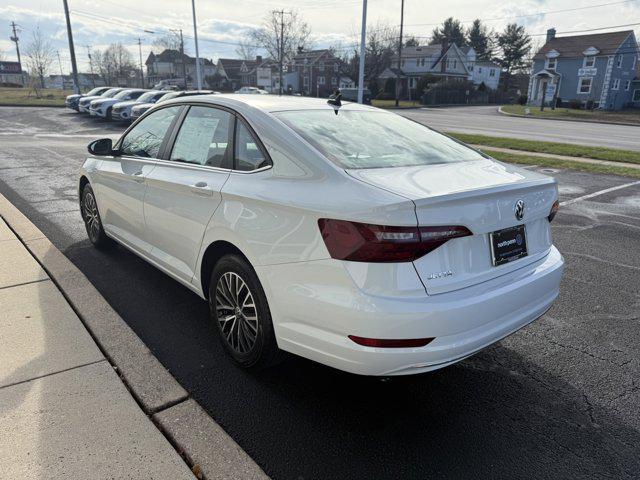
(519, 209)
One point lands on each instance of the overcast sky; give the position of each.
(101, 22)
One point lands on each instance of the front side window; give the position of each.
(365, 139)
(145, 139)
(248, 155)
(203, 137)
(585, 85)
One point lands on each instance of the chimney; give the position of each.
(258, 59)
(445, 47)
(300, 50)
(551, 34)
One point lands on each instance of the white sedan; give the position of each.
(102, 107)
(348, 235)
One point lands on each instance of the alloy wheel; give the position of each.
(236, 312)
(91, 217)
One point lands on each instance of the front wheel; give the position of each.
(240, 311)
(92, 221)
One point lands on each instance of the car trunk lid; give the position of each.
(481, 196)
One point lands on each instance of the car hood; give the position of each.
(428, 181)
(104, 101)
(89, 98)
(126, 103)
(143, 106)
(74, 96)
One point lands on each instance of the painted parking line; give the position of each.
(600, 192)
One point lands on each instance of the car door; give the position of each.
(120, 180)
(183, 191)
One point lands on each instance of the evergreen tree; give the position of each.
(481, 39)
(515, 44)
(451, 31)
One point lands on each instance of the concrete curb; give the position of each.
(157, 392)
(502, 112)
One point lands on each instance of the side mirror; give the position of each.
(101, 147)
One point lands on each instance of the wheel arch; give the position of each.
(214, 252)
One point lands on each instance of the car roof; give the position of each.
(269, 103)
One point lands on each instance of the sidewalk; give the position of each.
(64, 412)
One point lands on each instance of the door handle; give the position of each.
(200, 188)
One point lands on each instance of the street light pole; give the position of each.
(72, 52)
(141, 70)
(363, 39)
(16, 40)
(195, 37)
(399, 53)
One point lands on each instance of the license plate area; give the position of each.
(508, 245)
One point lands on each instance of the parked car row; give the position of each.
(123, 104)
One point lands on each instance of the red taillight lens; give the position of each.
(391, 343)
(362, 242)
(554, 210)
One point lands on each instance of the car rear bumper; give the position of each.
(315, 311)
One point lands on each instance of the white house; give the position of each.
(481, 71)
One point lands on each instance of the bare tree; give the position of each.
(114, 63)
(245, 50)
(295, 34)
(40, 55)
(2, 56)
(170, 41)
(382, 44)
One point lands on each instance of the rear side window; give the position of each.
(203, 138)
(248, 155)
(145, 139)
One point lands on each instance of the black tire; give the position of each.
(250, 343)
(92, 221)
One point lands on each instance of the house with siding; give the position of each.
(313, 72)
(598, 70)
(171, 64)
(481, 70)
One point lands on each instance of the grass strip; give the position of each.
(599, 153)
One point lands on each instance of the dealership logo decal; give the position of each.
(519, 209)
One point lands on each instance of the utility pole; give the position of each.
(282, 13)
(74, 67)
(15, 39)
(93, 80)
(141, 70)
(363, 39)
(195, 38)
(184, 66)
(60, 65)
(400, 53)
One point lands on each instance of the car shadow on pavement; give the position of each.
(497, 414)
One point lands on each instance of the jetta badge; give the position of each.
(519, 209)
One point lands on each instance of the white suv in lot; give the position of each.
(85, 102)
(102, 107)
(361, 240)
(121, 111)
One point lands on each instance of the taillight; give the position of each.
(554, 210)
(363, 242)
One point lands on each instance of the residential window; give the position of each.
(305, 81)
(413, 82)
(627, 85)
(492, 72)
(616, 84)
(321, 80)
(635, 59)
(589, 61)
(479, 70)
(551, 63)
(636, 95)
(455, 63)
(620, 61)
(585, 85)
(336, 67)
(334, 81)
(321, 66)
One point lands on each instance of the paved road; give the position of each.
(487, 121)
(558, 399)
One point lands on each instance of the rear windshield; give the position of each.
(374, 139)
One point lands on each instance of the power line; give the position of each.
(549, 12)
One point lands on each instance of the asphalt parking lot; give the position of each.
(558, 399)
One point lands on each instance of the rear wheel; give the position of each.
(240, 311)
(92, 221)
